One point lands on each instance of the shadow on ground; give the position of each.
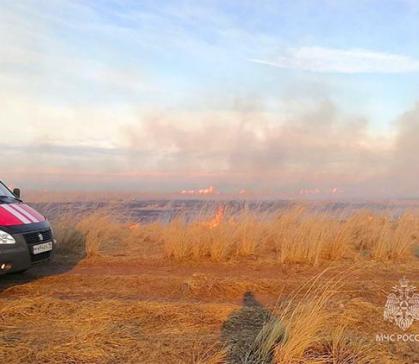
(58, 264)
(240, 332)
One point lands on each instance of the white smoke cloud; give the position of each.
(320, 148)
(317, 148)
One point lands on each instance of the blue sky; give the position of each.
(80, 78)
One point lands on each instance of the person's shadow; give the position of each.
(247, 333)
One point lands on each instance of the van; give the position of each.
(26, 236)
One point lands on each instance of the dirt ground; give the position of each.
(118, 310)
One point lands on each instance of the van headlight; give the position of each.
(6, 238)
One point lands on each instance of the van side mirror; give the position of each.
(16, 192)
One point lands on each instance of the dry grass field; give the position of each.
(295, 287)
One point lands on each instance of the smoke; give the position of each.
(317, 148)
(304, 148)
(404, 171)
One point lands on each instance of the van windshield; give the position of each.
(4, 192)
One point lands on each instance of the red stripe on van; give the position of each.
(7, 219)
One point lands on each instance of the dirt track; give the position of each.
(145, 311)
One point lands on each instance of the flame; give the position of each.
(217, 219)
(211, 190)
(317, 191)
(307, 191)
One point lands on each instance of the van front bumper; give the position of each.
(14, 258)
(19, 256)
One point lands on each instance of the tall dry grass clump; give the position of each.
(195, 241)
(71, 241)
(297, 325)
(301, 237)
(239, 237)
(102, 233)
(382, 237)
(301, 330)
(90, 235)
(396, 238)
(306, 326)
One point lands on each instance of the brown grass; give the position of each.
(51, 330)
(102, 234)
(314, 331)
(154, 293)
(71, 241)
(292, 237)
(295, 237)
(307, 328)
